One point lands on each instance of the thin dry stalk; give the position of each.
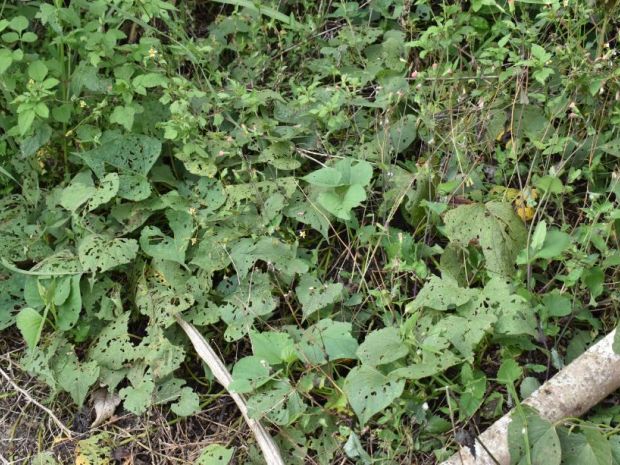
(270, 450)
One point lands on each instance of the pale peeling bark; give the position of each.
(270, 450)
(570, 393)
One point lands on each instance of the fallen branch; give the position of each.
(271, 453)
(570, 393)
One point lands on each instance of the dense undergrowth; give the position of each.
(394, 218)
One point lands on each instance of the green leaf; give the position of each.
(215, 454)
(509, 372)
(123, 115)
(158, 245)
(98, 254)
(314, 295)
(249, 373)
(24, 120)
(340, 203)
(441, 294)
(78, 192)
(273, 347)
(542, 438)
(76, 378)
(18, 23)
(327, 341)
(278, 401)
(381, 347)
(37, 70)
(589, 447)
(187, 404)
(324, 177)
(246, 301)
(6, 59)
(107, 190)
(130, 154)
(137, 399)
(594, 279)
(498, 230)
(557, 305)
(69, 312)
(369, 391)
(30, 323)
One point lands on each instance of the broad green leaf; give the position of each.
(107, 190)
(314, 295)
(327, 341)
(76, 378)
(30, 323)
(542, 438)
(369, 391)
(340, 202)
(441, 294)
(324, 177)
(381, 347)
(589, 447)
(248, 374)
(69, 312)
(557, 305)
(509, 372)
(132, 154)
(187, 404)
(158, 245)
(278, 401)
(123, 115)
(215, 454)
(245, 302)
(98, 254)
(495, 227)
(137, 398)
(37, 70)
(273, 347)
(78, 192)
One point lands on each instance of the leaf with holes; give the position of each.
(158, 245)
(381, 347)
(589, 447)
(369, 391)
(278, 401)
(215, 454)
(107, 190)
(273, 347)
(493, 226)
(129, 154)
(541, 437)
(79, 191)
(98, 254)
(314, 295)
(249, 373)
(245, 302)
(76, 378)
(327, 341)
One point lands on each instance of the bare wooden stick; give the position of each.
(25, 393)
(271, 453)
(570, 393)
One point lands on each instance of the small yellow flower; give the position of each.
(302, 233)
(152, 53)
(194, 240)
(83, 104)
(192, 211)
(31, 82)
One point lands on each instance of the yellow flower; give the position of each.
(83, 104)
(152, 53)
(525, 202)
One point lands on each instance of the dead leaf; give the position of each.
(105, 404)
